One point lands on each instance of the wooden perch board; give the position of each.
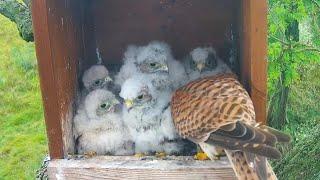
(116, 167)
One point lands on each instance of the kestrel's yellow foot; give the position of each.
(161, 155)
(90, 154)
(140, 155)
(201, 156)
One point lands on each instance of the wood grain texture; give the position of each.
(47, 77)
(58, 38)
(134, 168)
(254, 53)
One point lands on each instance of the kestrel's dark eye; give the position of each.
(152, 64)
(103, 105)
(140, 97)
(209, 62)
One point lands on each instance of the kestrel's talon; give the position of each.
(161, 155)
(140, 155)
(201, 156)
(90, 154)
(216, 157)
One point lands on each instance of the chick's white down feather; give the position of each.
(96, 77)
(128, 68)
(103, 133)
(153, 52)
(94, 73)
(150, 123)
(201, 55)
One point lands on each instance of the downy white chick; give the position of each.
(203, 62)
(148, 116)
(96, 77)
(154, 60)
(98, 126)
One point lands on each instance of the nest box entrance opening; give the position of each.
(72, 35)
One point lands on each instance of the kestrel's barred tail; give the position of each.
(217, 111)
(245, 170)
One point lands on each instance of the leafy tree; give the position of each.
(288, 50)
(19, 12)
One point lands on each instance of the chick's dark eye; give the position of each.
(97, 82)
(103, 105)
(140, 97)
(152, 64)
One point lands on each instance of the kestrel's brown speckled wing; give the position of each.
(218, 111)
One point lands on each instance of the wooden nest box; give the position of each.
(72, 35)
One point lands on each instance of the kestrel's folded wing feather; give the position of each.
(249, 140)
(248, 133)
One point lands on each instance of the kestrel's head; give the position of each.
(100, 103)
(138, 93)
(202, 59)
(153, 58)
(96, 77)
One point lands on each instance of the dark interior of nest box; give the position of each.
(83, 31)
(111, 25)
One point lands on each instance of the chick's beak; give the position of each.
(165, 68)
(200, 66)
(129, 104)
(108, 79)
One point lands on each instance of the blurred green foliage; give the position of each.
(293, 83)
(23, 141)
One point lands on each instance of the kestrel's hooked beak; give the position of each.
(200, 66)
(129, 104)
(108, 79)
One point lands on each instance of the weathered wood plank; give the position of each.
(254, 53)
(59, 47)
(107, 167)
(47, 77)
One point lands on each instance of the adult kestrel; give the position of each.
(217, 111)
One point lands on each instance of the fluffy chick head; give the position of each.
(97, 76)
(131, 53)
(138, 92)
(153, 58)
(203, 59)
(100, 103)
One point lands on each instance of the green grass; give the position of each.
(23, 141)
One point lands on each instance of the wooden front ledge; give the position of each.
(116, 167)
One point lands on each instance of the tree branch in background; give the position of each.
(279, 40)
(20, 14)
(28, 3)
(316, 3)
